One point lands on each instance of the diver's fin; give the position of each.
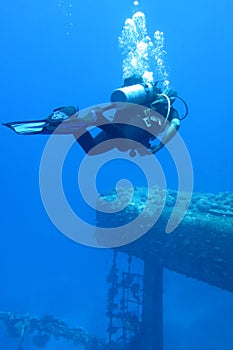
(27, 127)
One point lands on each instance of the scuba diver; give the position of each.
(148, 111)
(141, 112)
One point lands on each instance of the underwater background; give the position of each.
(56, 53)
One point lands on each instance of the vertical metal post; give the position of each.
(152, 313)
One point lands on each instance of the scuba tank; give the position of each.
(141, 94)
(146, 94)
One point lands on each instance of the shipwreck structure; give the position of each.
(201, 247)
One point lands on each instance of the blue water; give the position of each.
(45, 63)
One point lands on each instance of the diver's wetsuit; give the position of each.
(116, 130)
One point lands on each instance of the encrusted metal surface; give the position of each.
(200, 247)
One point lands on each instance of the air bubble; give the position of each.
(66, 7)
(140, 54)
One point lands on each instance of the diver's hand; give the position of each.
(98, 110)
(92, 116)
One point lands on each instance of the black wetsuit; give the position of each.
(116, 129)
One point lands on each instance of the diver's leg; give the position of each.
(104, 142)
(95, 145)
(86, 141)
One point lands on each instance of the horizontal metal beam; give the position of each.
(200, 247)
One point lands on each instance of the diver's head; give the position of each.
(133, 80)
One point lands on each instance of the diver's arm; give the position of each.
(169, 134)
